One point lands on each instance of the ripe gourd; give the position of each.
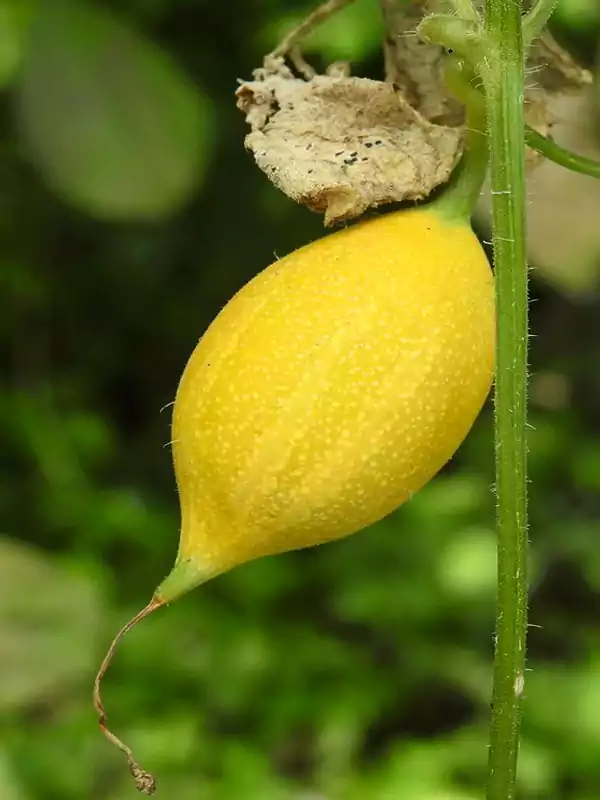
(331, 388)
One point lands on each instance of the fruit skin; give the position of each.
(331, 388)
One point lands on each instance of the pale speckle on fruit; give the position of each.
(341, 379)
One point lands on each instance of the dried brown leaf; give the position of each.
(341, 145)
(557, 71)
(415, 66)
(553, 76)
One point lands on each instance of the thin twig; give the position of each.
(289, 47)
(300, 64)
(144, 781)
(554, 152)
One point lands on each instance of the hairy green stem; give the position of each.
(504, 84)
(558, 154)
(460, 36)
(465, 9)
(536, 19)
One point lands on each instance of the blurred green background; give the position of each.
(129, 214)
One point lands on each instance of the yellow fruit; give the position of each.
(331, 388)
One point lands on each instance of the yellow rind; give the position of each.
(332, 387)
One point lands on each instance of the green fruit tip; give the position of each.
(186, 575)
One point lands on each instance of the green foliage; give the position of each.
(354, 36)
(15, 17)
(582, 15)
(359, 669)
(109, 120)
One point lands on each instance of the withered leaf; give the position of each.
(415, 66)
(552, 76)
(341, 145)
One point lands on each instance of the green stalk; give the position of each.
(465, 9)
(536, 19)
(558, 154)
(504, 83)
(460, 195)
